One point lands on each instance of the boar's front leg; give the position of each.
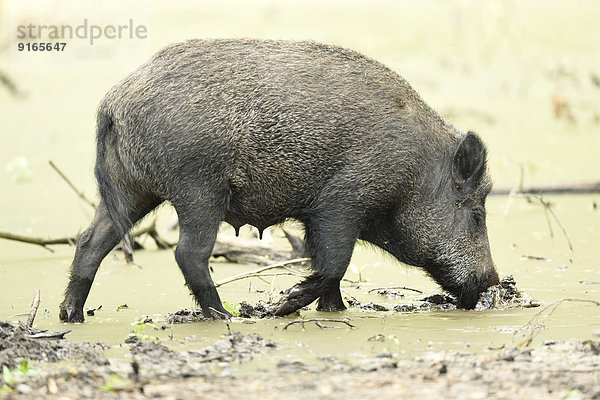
(330, 242)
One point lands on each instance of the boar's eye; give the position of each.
(478, 214)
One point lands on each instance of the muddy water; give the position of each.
(504, 74)
(155, 287)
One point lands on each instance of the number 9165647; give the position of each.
(28, 46)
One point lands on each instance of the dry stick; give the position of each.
(125, 245)
(72, 186)
(547, 210)
(562, 228)
(318, 321)
(34, 308)
(552, 307)
(261, 276)
(36, 240)
(519, 191)
(49, 335)
(396, 287)
(258, 271)
(10, 85)
(348, 294)
(150, 230)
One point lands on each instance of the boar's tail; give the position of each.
(107, 162)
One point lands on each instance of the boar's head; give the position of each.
(442, 225)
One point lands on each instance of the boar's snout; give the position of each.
(468, 294)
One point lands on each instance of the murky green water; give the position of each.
(157, 288)
(489, 67)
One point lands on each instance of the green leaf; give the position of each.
(232, 309)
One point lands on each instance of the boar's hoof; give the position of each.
(70, 314)
(329, 307)
(214, 313)
(294, 299)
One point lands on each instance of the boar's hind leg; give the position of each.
(92, 246)
(330, 244)
(199, 224)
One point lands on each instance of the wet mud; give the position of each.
(68, 370)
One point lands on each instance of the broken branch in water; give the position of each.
(48, 335)
(37, 240)
(43, 242)
(234, 250)
(34, 307)
(257, 252)
(259, 272)
(396, 287)
(548, 209)
(547, 212)
(319, 322)
(552, 307)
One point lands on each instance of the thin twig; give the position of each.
(396, 287)
(318, 322)
(348, 294)
(34, 307)
(536, 258)
(72, 186)
(547, 211)
(562, 228)
(552, 307)
(257, 272)
(9, 83)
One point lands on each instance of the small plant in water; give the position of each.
(138, 331)
(358, 271)
(233, 309)
(15, 376)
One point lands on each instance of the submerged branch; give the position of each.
(259, 271)
(551, 307)
(396, 287)
(319, 322)
(37, 240)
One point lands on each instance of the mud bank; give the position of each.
(62, 369)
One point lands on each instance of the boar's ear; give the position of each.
(469, 160)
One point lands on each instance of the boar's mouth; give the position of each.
(467, 299)
(467, 292)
